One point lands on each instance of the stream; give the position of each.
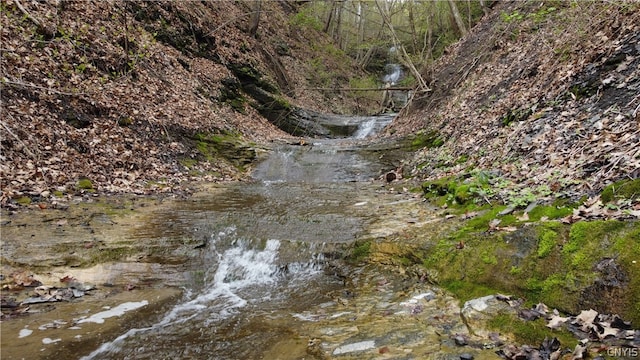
(267, 279)
(267, 249)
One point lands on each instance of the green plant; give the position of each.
(624, 189)
(360, 251)
(85, 184)
(514, 16)
(306, 19)
(530, 332)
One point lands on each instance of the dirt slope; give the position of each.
(145, 96)
(546, 95)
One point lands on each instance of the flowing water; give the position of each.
(261, 267)
(271, 248)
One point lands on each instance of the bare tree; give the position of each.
(327, 23)
(457, 17)
(255, 18)
(404, 58)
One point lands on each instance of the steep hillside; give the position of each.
(120, 96)
(543, 96)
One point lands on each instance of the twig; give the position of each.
(26, 149)
(50, 33)
(26, 13)
(16, 83)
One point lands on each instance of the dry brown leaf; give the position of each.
(556, 321)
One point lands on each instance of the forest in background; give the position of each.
(144, 97)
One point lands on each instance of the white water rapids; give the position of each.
(244, 274)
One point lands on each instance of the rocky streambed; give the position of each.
(319, 256)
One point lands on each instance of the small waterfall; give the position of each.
(247, 272)
(372, 125)
(393, 74)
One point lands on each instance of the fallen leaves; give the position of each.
(165, 95)
(596, 331)
(582, 133)
(593, 208)
(25, 278)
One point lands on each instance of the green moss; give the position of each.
(360, 251)
(24, 200)
(423, 139)
(405, 261)
(188, 162)
(224, 146)
(85, 184)
(248, 74)
(481, 222)
(583, 234)
(488, 257)
(238, 104)
(548, 262)
(462, 159)
(627, 247)
(438, 252)
(547, 242)
(624, 189)
(463, 194)
(515, 116)
(550, 212)
(125, 121)
(465, 290)
(530, 332)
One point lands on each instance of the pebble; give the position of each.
(466, 356)
(460, 340)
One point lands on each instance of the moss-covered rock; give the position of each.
(223, 146)
(85, 184)
(24, 200)
(360, 251)
(569, 267)
(624, 189)
(422, 139)
(530, 332)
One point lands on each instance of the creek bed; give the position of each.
(248, 257)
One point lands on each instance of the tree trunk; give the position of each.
(255, 18)
(337, 36)
(327, 23)
(412, 24)
(457, 17)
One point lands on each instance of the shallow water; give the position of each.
(270, 247)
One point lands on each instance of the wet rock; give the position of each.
(477, 312)
(355, 347)
(8, 303)
(460, 340)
